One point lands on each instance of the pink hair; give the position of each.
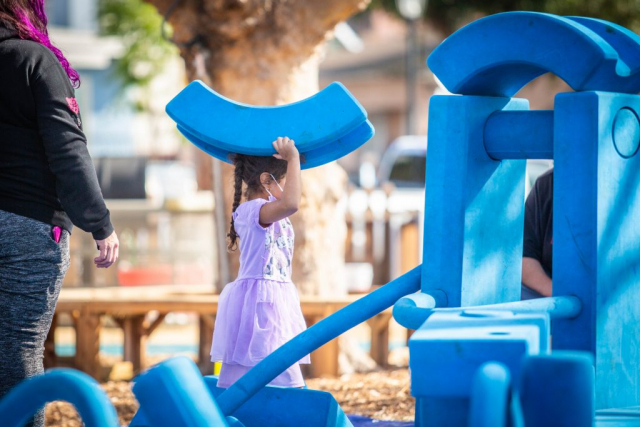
(30, 21)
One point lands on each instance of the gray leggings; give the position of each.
(32, 266)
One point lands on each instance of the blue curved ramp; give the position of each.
(499, 54)
(326, 126)
(69, 385)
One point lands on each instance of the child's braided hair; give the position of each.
(248, 170)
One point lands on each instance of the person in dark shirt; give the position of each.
(538, 239)
(47, 184)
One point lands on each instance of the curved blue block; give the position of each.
(326, 126)
(558, 390)
(490, 396)
(69, 385)
(173, 394)
(499, 54)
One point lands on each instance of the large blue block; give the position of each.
(474, 213)
(498, 55)
(596, 236)
(449, 348)
(326, 126)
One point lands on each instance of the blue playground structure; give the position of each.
(480, 357)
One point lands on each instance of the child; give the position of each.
(260, 310)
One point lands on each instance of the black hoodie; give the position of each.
(45, 170)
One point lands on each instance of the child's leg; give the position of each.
(229, 374)
(292, 377)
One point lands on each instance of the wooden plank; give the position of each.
(205, 334)
(88, 344)
(134, 341)
(379, 325)
(409, 250)
(324, 361)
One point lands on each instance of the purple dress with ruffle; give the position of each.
(260, 310)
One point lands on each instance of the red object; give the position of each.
(140, 276)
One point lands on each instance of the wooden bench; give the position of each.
(129, 308)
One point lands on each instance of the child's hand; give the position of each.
(286, 149)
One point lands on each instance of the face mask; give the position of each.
(276, 181)
(271, 197)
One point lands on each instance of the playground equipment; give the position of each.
(480, 357)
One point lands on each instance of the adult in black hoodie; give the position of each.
(47, 183)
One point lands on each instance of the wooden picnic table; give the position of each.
(129, 307)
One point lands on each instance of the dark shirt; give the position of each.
(538, 222)
(45, 170)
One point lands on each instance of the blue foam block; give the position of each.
(558, 390)
(325, 127)
(480, 59)
(173, 394)
(448, 349)
(596, 249)
(490, 396)
(68, 385)
(286, 407)
(474, 206)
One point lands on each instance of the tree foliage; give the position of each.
(449, 14)
(138, 25)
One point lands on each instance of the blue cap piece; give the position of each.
(499, 54)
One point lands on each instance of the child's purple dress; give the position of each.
(260, 310)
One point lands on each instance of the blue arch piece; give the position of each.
(69, 385)
(325, 126)
(499, 54)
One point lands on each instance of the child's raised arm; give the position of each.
(288, 204)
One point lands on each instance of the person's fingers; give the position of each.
(103, 252)
(278, 156)
(112, 254)
(105, 261)
(116, 253)
(277, 146)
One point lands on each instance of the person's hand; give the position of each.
(109, 251)
(286, 149)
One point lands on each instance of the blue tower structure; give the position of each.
(474, 199)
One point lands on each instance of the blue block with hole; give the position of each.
(450, 347)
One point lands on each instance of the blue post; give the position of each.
(596, 236)
(490, 396)
(473, 206)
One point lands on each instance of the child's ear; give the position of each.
(265, 178)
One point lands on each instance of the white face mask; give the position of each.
(271, 197)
